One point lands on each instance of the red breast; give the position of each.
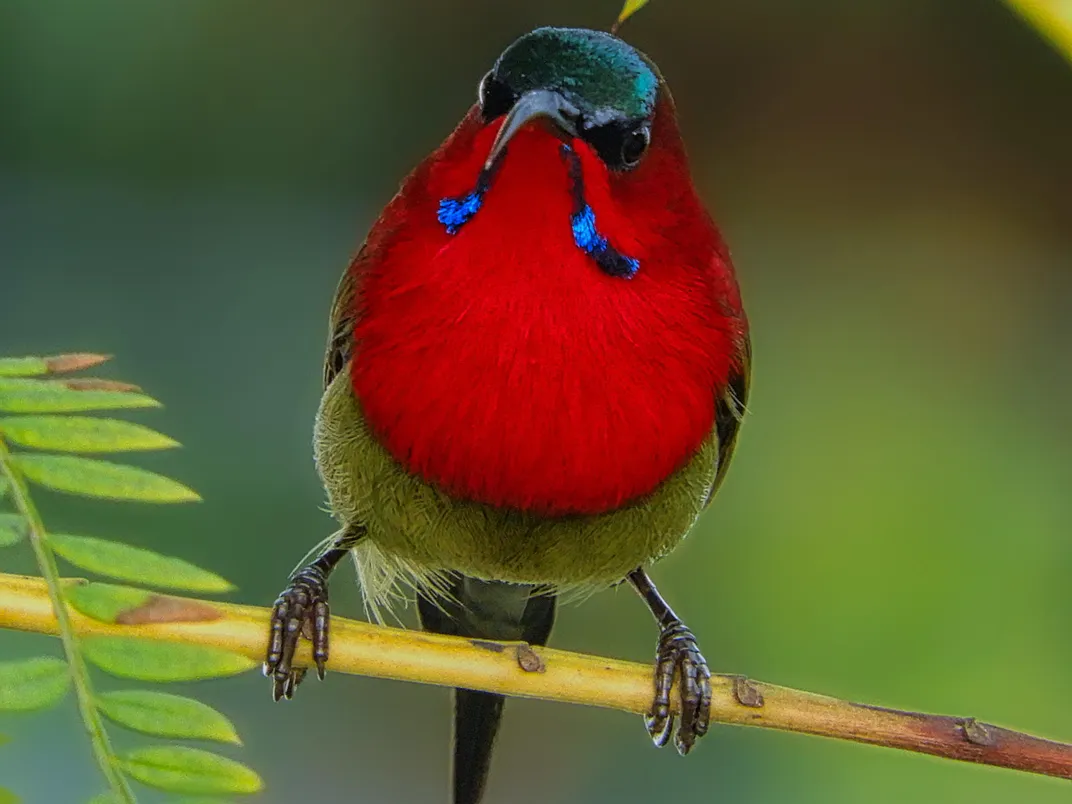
(502, 365)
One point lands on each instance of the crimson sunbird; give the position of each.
(536, 371)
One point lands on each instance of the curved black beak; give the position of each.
(533, 105)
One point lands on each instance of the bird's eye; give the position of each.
(620, 144)
(634, 144)
(495, 97)
(482, 90)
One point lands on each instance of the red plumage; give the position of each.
(502, 365)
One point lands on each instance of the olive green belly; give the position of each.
(412, 521)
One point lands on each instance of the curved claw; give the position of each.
(679, 655)
(301, 609)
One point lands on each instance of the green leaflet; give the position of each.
(22, 366)
(5, 487)
(12, 529)
(135, 564)
(20, 395)
(7, 797)
(81, 434)
(165, 715)
(130, 657)
(189, 770)
(1054, 20)
(57, 364)
(630, 8)
(35, 683)
(105, 601)
(129, 605)
(93, 478)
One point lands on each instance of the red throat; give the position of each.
(502, 365)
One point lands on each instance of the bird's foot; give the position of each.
(679, 655)
(301, 609)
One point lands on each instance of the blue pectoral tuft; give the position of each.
(456, 212)
(585, 234)
(584, 231)
(589, 240)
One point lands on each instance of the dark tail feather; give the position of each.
(483, 610)
(476, 722)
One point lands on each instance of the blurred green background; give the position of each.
(181, 184)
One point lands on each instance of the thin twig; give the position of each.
(51, 596)
(520, 670)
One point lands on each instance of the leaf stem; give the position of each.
(103, 752)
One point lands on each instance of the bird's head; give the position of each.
(586, 85)
(573, 116)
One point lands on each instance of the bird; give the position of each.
(537, 368)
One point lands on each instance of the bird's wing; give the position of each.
(341, 328)
(344, 310)
(729, 411)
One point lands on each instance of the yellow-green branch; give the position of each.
(517, 669)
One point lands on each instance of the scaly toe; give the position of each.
(301, 609)
(679, 656)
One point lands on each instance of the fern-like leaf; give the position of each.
(57, 364)
(136, 564)
(36, 683)
(20, 395)
(12, 529)
(166, 715)
(179, 769)
(630, 8)
(93, 478)
(133, 658)
(81, 434)
(34, 402)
